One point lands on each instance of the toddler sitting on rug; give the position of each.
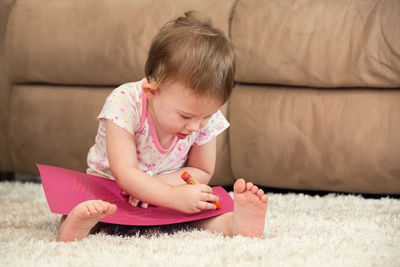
(153, 130)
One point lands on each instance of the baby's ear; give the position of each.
(150, 89)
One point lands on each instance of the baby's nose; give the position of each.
(193, 126)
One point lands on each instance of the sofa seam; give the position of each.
(231, 15)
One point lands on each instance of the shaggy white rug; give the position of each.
(300, 231)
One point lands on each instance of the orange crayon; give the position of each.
(190, 180)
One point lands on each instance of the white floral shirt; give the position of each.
(126, 106)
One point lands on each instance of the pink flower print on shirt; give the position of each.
(205, 132)
(181, 149)
(219, 126)
(123, 92)
(141, 132)
(149, 166)
(182, 146)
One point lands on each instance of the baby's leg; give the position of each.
(83, 218)
(248, 216)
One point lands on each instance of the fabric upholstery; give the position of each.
(91, 42)
(53, 125)
(319, 43)
(344, 140)
(5, 160)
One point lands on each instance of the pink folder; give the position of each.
(64, 189)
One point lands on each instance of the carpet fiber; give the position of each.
(334, 230)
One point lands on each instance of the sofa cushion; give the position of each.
(53, 125)
(339, 140)
(92, 42)
(318, 43)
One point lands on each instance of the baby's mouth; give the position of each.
(181, 136)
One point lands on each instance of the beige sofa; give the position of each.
(316, 103)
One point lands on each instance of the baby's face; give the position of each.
(179, 112)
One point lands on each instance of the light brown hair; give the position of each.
(192, 51)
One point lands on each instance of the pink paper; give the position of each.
(64, 189)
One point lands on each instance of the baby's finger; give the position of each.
(205, 188)
(123, 192)
(213, 198)
(207, 206)
(210, 197)
(144, 205)
(133, 201)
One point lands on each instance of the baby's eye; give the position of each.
(185, 117)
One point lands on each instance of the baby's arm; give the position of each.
(200, 164)
(121, 150)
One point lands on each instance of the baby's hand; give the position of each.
(193, 198)
(134, 201)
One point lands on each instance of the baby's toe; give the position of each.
(85, 211)
(239, 186)
(99, 206)
(105, 206)
(111, 208)
(260, 192)
(264, 198)
(254, 189)
(249, 185)
(92, 208)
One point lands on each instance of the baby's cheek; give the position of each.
(203, 123)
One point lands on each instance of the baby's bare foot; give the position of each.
(83, 218)
(250, 206)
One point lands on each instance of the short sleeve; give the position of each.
(123, 107)
(216, 125)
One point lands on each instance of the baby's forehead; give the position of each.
(185, 88)
(198, 107)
